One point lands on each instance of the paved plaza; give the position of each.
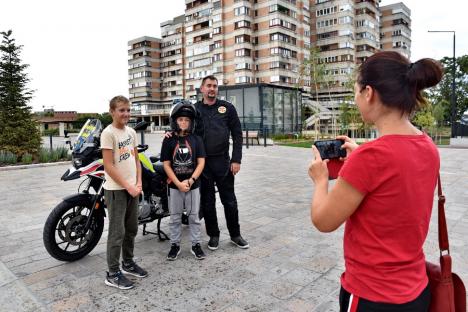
(290, 266)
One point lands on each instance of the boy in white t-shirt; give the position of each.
(121, 191)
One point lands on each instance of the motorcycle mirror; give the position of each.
(141, 126)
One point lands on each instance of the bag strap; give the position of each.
(443, 234)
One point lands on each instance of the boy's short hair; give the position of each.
(118, 99)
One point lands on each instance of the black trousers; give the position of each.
(420, 304)
(225, 184)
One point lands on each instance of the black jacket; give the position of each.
(215, 123)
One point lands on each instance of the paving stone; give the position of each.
(6, 276)
(14, 296)
(290, 266)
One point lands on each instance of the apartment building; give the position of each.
(395, 28)
(242, 42)
(345, 32)
(258, 42)
(145, 79)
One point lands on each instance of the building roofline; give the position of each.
(143, 38)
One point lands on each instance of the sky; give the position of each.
(77, 51)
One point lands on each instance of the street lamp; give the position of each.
(453, 97)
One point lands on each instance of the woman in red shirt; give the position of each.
(384, 191)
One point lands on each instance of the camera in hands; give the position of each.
(330, 149)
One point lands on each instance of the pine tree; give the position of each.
(19, 132)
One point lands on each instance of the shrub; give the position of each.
(26, 158)
(56, 154)
(7, 158)
(48, 132)
(44, 155)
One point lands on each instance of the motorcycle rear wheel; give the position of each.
(62, 230)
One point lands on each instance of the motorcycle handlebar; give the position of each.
(142, 147)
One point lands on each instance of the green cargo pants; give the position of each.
(122, 210)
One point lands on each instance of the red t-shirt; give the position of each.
(384, 237)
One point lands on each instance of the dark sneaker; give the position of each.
(198, 252)
(174, 252)
(118, 280)
(213, 243)
(134, 269)
(240, 242)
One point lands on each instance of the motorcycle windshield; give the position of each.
(88, 136)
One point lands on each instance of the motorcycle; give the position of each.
(74, 227)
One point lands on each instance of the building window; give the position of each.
(216, 18)
(345, 20)
(242, 38)
(280, 22)
(283, 52)
(282, 37)
(326, 11)
(327, 23)
(240, 66)
(241, 11)
(217, 30)
(216, 45)
(241, 24)
(243, 79)
(243, 52)
(217, 57)
(202, 62)
(365, 23)
(218, 69)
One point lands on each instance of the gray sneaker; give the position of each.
(118, 280)
(134, 269)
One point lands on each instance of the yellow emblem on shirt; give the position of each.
(222, 109)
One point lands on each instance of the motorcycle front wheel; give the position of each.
(64, 236)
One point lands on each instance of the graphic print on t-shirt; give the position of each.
(124, 150)
(182, 159)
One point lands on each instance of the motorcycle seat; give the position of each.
(159, 168)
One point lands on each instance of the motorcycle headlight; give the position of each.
(77, 163)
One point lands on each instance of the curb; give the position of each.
(8, 168)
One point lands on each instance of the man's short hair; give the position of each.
(210, 77)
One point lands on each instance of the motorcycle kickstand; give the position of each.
(162, 236)
(161, 233)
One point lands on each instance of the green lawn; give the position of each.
(308, 143)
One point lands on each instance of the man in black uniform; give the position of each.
(217, 120)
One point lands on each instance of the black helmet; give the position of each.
(183, 108)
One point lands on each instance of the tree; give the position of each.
(438, 113)
(315, 71)
(350, 117)
(441, 94)
(424, 118)
(19, 132)
(106, 119)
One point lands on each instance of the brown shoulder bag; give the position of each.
(448, 292)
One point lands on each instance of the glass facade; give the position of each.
(275, 109)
